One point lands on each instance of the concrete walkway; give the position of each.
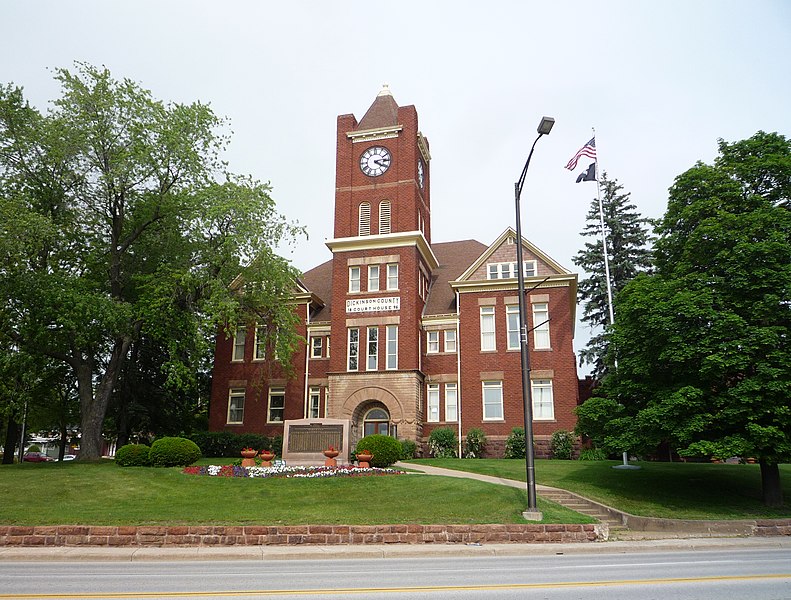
(623, 526)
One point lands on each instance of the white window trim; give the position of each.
(451, 389)
(541, 326)
(432, 342)
(492, 385)
(236, 393)
(512, 311)
(371, 279)
(392, 280)
(372, 332)
(432, 403)
(450, 336)
(258, 344)
(276, 391)
(349, 349)
(391, 335)
(313, 346)
(241, 329)
(544, 384)
(314, 393)
(488, 312)
(354, 279)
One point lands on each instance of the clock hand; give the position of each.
(381, 162)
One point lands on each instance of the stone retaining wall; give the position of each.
(79, 535)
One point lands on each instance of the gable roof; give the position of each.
(454, 258)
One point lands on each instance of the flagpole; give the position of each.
(604, 239)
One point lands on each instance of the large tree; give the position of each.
(121, 220)
(628, 239)
(704, 344)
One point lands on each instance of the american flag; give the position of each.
(588, 150)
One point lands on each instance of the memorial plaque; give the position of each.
(315, 437)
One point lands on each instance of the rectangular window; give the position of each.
(507, 270)
(432, 342)
(314, 402)
(492, 400)
(541, 325)
(315, 347)
(512, 317)
(543, 404)
(373, 349)
(487, 329)
(353, 349)
(392, 347)
(530, 268)
(450, 340)
(392, 277)
(239, 339)
(451, 402)
(354, 279)
(236, 405)
(259, 352)
(373, 278)
(277, 404)
(432, 403)
(328, 346)
(492, 271)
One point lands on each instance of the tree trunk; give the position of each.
(11, 436)
(93, 405)
(770, 484)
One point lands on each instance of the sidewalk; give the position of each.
(270, 553)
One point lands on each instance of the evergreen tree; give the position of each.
(628, 240)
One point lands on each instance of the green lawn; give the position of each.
(105, 494)
(672, 490)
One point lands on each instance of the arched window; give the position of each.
(376, 420)
(364, 224)
(384, 216)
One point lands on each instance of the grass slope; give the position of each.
(671, 490)
(105, 494)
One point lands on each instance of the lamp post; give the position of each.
(532, 513)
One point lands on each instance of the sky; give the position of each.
(658, 82)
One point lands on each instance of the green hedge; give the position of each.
(133, 455)
(174, 452)
(223, 444)
(386, 450)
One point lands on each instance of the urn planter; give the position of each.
(364, 459)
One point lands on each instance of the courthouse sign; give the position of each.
(373, 304)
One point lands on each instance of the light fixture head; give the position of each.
(545, 126)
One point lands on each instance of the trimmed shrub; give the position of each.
(132, 455)
(475, 443)
(562, 445)
(442, 443)
(408, 449)
(222, 444)
(515, 444)
(174, 452)
(592, 454)
(34, 448)
(386, 449)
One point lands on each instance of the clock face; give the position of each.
(420, 177)
(375, 161)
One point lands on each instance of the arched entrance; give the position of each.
(376, 420)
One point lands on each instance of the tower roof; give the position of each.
(382, 113)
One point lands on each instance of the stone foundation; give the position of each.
(294, 535)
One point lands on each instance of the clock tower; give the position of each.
(381, 269)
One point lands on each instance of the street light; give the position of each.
(532, 513)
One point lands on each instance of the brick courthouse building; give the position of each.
(403, 335)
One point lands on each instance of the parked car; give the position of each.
(69, 456)
(35, 457)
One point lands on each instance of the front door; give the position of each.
(376, 420)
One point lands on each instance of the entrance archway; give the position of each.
(377, 420)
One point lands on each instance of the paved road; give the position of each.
(679, 574)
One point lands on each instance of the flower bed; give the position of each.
(289, 472)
